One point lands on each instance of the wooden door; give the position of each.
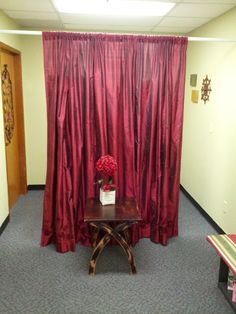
(13, 122)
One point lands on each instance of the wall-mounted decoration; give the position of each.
(206, 89)
(8, 109)
(193, 80)
(195, 96)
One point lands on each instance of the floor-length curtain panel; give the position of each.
(120, 95)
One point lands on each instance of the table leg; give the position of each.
(127, 235)
(115, 233)
(223, 271)
(98, 249)
(95, 233)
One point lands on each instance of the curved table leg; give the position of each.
(127, 236)
(94, 235)
(114, 233)
(98, 249)
(101, 245)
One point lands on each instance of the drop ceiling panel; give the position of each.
(199, 10)
(27, 5)
(38, 24)
(172, 1)
(169, 30)
(184, 17)
(210, 1)
(99, 28)
(114, 20)
(183, 21)
(32, 15)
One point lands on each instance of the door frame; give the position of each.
(20, 113)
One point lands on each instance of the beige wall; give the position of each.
(34, 111)
(13, 41)
(35, 108)
(209, 140)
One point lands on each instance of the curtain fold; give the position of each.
(120, 95)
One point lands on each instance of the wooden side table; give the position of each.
(126, 213)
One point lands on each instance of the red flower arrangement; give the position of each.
(107, 166)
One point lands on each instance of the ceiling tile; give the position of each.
(210, 1)
(103, 20)
(32, 15)
(173, 1)
(178, 30)
(27, 5)
(183, 21)
(199, 10)
(184, 17)
(123, 28)
(46, 24)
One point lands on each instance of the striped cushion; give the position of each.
(225, 245)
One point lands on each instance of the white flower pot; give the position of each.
(107, 198)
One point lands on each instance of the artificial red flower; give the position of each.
(107, 165)
(107, 187)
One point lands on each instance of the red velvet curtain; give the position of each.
(120, 95)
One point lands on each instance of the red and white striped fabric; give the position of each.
(225, 245)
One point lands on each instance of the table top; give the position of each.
(225, 245)
(123, 210)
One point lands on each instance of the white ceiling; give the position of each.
(183, 18)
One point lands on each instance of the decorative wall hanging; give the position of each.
(8, 109)
(195, 95)
(206, 89)
(193, 80)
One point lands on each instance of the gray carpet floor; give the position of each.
(179, 278)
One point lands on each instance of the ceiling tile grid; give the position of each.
(27, 5)
(183, 18)
(30, 15)
(199, 9)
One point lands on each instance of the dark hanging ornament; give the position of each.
(8, 109)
